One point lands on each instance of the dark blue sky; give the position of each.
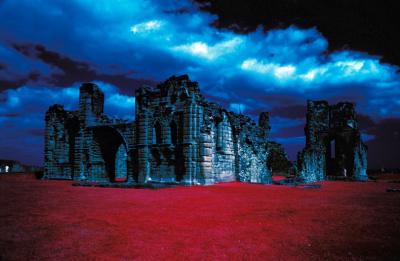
(47, 48)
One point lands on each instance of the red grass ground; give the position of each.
(234, 221)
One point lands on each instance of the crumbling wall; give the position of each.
(333, 143)
(251, 143)
(178, 136)
(360, 161)
(60, 133)
(217, 147)
(74, 148)
(312, 164)
(182, 137)
(167, 128)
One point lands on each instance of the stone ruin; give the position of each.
(333, 144)
(177, 136)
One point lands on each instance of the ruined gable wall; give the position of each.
(333, 143)
(217, 157)
(232, 147)
(209, 148)
(312, 160)
(178, 137)
(167, 124)
(73, 135)
(251, 148)
(60, 133)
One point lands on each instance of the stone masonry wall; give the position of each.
(333, 143)
(178, 136)
(183, 138)
(60, 136)
(77, 143)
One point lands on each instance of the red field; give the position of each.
(53, 220)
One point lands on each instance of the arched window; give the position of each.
(179, 128)
(174, 133)
(218, 133)
(157, 134)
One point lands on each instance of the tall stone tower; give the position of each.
(91, 103)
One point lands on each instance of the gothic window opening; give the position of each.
(218, 134)
(180, 129)
(174, 133)
(157, 133)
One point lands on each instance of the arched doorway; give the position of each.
(108, 159)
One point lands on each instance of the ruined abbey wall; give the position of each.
(61, 131)
(333, 143)
(182, 137)
(177, 136)
(85, 144)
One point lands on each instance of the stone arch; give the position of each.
(183, 93)
(109, 155)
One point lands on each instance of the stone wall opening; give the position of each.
(334, 146)
(109, 155)
(174, 133)
(157, 133)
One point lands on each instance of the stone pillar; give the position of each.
(360, 161)
(317, 122)
(143, 138)
(225, 136)
(225, 156)
(205, 158)
(121, 166)
(48, 145)
(131, 160)
(91, 103)
(197, 116)
(190, 147)
(205, 154)
(79, 166)
(87, 155)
